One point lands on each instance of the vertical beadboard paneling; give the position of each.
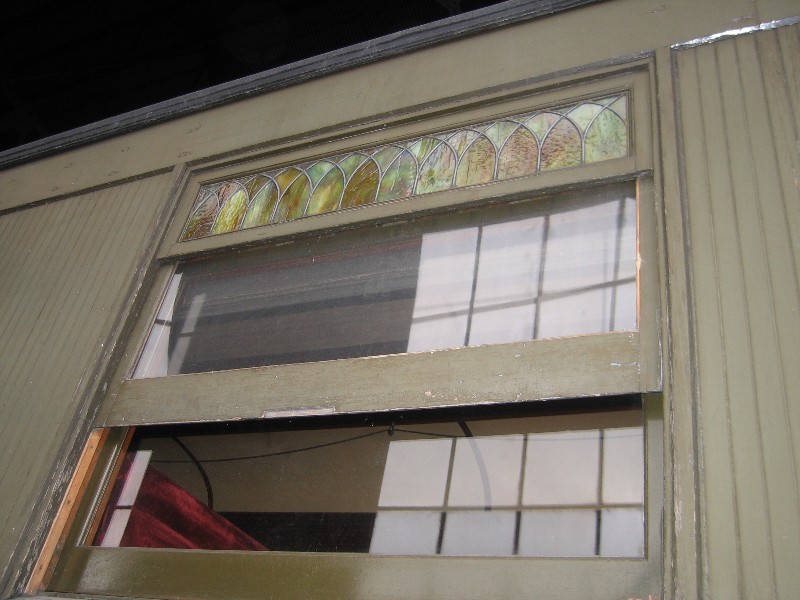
(65, 271)
(738, 120)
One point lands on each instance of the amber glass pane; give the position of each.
(477, 164)
(562, 147)
(362, 187)
(519, 155)
(606, 138)
(231, 213)
(398, 181)
(294, 200)
(436, 173)
(256, 183)
(262, 206)
(201, 220)
(326, 196)
(285, 178)
(351, 163)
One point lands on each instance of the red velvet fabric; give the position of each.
(167, 516)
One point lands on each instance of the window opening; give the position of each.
(565, 480)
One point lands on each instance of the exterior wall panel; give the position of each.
(738, 126)
(65, 272)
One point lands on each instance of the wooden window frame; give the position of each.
(610, 364)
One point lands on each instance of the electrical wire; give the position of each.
(296, 450)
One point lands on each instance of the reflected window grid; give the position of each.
(600, 526)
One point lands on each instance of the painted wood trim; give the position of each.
(592, 365)
(65, 517)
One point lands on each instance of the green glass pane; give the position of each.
(285, 178)
(461, 140)
(607, 138)
(293, 202)
(620, 106)
(385, 155)
(351, 163)
(477, 165)
(398, 181)
(255, 184)
(422, 147)
(562, 147)
(202, 218)
(362, 187)
(541, 123)
(231, 213)
(326, 195)
(519, 155)
(261, 206)
(436, 173)
(583, 114)
(500, 131)
(318, 170)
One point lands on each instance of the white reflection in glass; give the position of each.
(405, 532)
(479, 533)
(562, 468)
(444, 288)
(155, 356)
(415, 473)
(486, 471)
(506, 286)
(623, 457)
(558, 533)
(622, 532)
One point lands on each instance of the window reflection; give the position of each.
(557, 266)
(524, 485)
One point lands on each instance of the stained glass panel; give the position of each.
(327, 194)
(399, 179)
(363, 185)
(230, 216)
(514, 146)
(436, 173)
(294, 200)
(262, 206)
(477, 164)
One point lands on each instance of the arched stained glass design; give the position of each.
(515, 146)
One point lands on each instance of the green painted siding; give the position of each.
(66, 270)
(738, 115)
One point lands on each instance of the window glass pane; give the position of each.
(556, 266)
(448, 482)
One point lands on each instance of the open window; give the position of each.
(411, 365)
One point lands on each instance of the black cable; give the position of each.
(203, 474)
(284, 452)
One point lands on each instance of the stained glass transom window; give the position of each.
(515, 146)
